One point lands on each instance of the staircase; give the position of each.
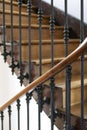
(59, 55)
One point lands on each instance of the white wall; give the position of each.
(8, 83)
(73, 7)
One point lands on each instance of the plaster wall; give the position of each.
(73, 7)
(9, 86)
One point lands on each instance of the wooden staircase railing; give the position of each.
(31, 49)
(53, 71)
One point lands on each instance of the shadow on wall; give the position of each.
(73, 22)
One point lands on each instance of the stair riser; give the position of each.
(15, 19)
(34, 19)
(76, 67)
(46, 50)
(15, 7)
(34, 33)
(61, 76)
(75, 96)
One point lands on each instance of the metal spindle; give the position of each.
(20, 39)
(40, 34)
(66, 30)
(52, 80)
(52, 84)
(2, 118)
(52, 28)
(82, 65)
(5, 53)
(29, 37)
(68, 97)
(12, 61)
(28, 98)
(68, 72)
(4, 29)
(82, 22)
(40, 59)
(9, 113)
(18, 108)
(39, 91)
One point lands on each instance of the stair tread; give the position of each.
(56, 41)
(76, 110)
(74, 84)
(47, 61)
(56, 60)
(34, 26)
(22, 13)
(16, 3)
(35, 42)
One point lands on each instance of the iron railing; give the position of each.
(49, 75)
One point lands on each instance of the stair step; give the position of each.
(46, 49)
(46, 62)
(75, 90)
(76, 110)
(59, 120)
(60, 78)
(46, 65)
(15, 6)
(34, 32)
(34, 17)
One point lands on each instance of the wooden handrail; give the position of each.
(57, 68)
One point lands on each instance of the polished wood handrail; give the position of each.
(57, 68)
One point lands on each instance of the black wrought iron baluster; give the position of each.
(40, 59)
(40, 12)
(52, 84)
(68, 98)
(18, 108)
(12, 43)
(28, 98)
(82, 22)
(9, 113)
(82, 64)
(68, 72)
(29, 8)
(52, 80)
(40, 105)
(4, 30)
(2, 122)
(20, 39)
(66, 30)
(5, 53)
